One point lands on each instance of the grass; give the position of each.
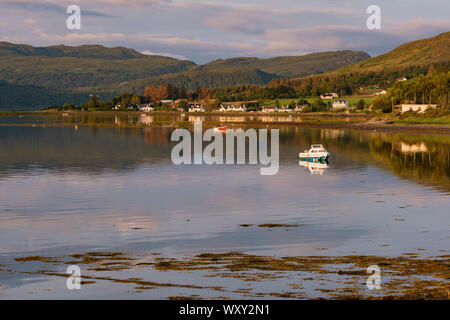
(424, 120)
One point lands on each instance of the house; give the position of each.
(117, 107)
(285, 109)
(338, 104)
(298, 108)
(329, 96)
(268, 109)
(420, 108)
(196, 108)
(380, 92)
(232, 107)
(166, 101)
(402, 79)
(145, 107)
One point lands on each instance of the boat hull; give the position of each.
(313, 157)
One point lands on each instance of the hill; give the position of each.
(93, 68)
(294, 66)
(435, 50)
(16, 97)
(85, 51)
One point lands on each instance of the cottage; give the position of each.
(339, 104)
(329, 96)
(145, 108)
(285, 109)
(196, 108)
(380, 92)
(298, 108)
(232, 107)
(420, 108)
(268, 109)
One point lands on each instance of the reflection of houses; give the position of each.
(269, 109)
(420, 108)
(194, 118)
(285, 109)
(314, 167)
(232, 119)
(339, 104)
(413, 148)
(196, 108)
(329, 96)
(145, 119)
(232, 107)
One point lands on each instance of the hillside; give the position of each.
(16, 97)
(220, 77)
(94, 68)
(85, 51)
(423, 52)
(294, 66)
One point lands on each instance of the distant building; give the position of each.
(145, 107)
(380, 92)
(339, 104)
(285, 109)
(196, 108)
(298, 108)
(420, 108)
(268, 109)
(232, 107)
(329, 96)
(166, 101)
(402, 79)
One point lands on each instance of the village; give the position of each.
(331, 101)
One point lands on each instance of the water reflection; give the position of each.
(115, 187)
(315, 167)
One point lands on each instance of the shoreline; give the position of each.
(313, 120)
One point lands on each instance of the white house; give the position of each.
(268, 109)
(166, 101)
(196, 108)
(380, 92)
(338, 104)
(285, 109)
(232, 107)
(329, 96)
(402, 79)
(420, 108)
(145, 108)
(298, 108)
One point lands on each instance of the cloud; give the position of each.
(52, 7)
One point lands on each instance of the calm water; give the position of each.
(65, 190)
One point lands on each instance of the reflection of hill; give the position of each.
(85, 149)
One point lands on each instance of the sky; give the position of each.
(205, 30)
